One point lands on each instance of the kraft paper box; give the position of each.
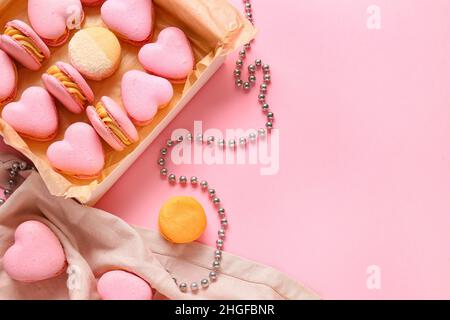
(214, 27)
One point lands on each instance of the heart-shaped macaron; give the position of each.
(35, 255)
(8, 85)
(143, 94)
(34, 116)
(80, 154)
(52, 19)
(170, 57)
(122, 285)
(131, 19)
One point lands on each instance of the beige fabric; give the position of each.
(96, 241)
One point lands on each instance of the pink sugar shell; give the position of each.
(143, 95)
(60, 92)
(49, 18)
(18, 52)
(123, 285)
(132, 20)
(120, 117)
(36, 254)
(170, 57)
(34, 116)
(8, 85)
(80, 154)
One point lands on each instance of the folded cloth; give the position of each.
(96, 241)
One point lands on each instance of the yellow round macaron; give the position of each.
(182, 220)
(95, 52)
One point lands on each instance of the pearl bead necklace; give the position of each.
(221, 143)
(13, 171)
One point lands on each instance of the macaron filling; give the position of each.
(26, 42)
(69, 84)
(111, 124)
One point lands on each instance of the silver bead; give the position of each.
(189, 136)
(258, 62)
(224, 222)
(247, 86)
(183, 287)
(262, 97)
(266, 68)
(239, 63)
(232, 143)
(161, 161)
(218, 253)
(213, 276)
(216, 265)
(172, 177)
(180, 139)
(204, 184)
(221, 211)
(2, 201)
(252, 68)
(23, 165)
(221, 143)
(242, 53)
(237, 73)
(252, 136)
(210, 139)
(12, 173)
(270, 115)
(7, 192)
(265, 107)
(15, 166)
(164, 171)
(248, 4)
(239, 83)
(267, 77)
(263, 87)
(219, 243)
(183, 180)
(216, 200)
(269, 125)
(221, 233)
(211, 192)
(249, 15)
(194, 286)
(11, 182)
(204, 283)
(199, 137)
(164, 151)
(242, 141)
(262, 132)
(194, 180)
(252, 79)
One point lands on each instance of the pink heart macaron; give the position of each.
(123, 285)
(8, 85)
(36, 254)
(34, 116)
(131, 20)
(92, 3)
(53, 19)
(80, 154)
(68, 86)
(143, 94)
(24, 45)
(112, 124)
(170, 57)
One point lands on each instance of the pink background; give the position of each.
(364, 179)
(364, 118)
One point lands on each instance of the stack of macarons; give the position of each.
(95, 54)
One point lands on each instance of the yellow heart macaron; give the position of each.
(182, 219)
